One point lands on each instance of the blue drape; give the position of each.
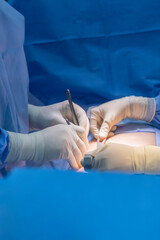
(100, 49)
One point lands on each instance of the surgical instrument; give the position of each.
(71, 106)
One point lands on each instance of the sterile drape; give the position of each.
(100, 49)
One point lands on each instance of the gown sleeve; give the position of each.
(4, 146)
(156, 120)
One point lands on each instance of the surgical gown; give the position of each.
(13, 76)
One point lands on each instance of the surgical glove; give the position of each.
(105, 116)
(115, 157)
(46, 116)
(57, 142)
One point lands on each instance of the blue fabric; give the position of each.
(156, 119)
(13, 76)
(13, 71)
(100, 49)
(41, 204)
(4, 145)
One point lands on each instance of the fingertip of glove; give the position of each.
(102, 136)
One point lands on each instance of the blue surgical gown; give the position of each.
(13, 76)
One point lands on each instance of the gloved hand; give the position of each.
(58, 142)
(105, 116)
(115, 157)
(47, 116)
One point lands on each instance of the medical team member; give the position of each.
(118, 157)
(55, 139)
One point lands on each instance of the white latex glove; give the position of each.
(58, 142)
(46, 116)
(105, 116)
(116, 157)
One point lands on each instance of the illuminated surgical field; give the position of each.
(132, 139)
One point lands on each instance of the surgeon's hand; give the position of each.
(57, 142)
(104, 117)
(113, 157)
(46, 116)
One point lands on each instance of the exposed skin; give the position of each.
(132, 139)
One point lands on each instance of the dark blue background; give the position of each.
(100, 49)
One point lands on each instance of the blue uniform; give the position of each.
(156, 120)
(13, 76)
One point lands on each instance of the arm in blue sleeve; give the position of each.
(156, 120)
(4, 145)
